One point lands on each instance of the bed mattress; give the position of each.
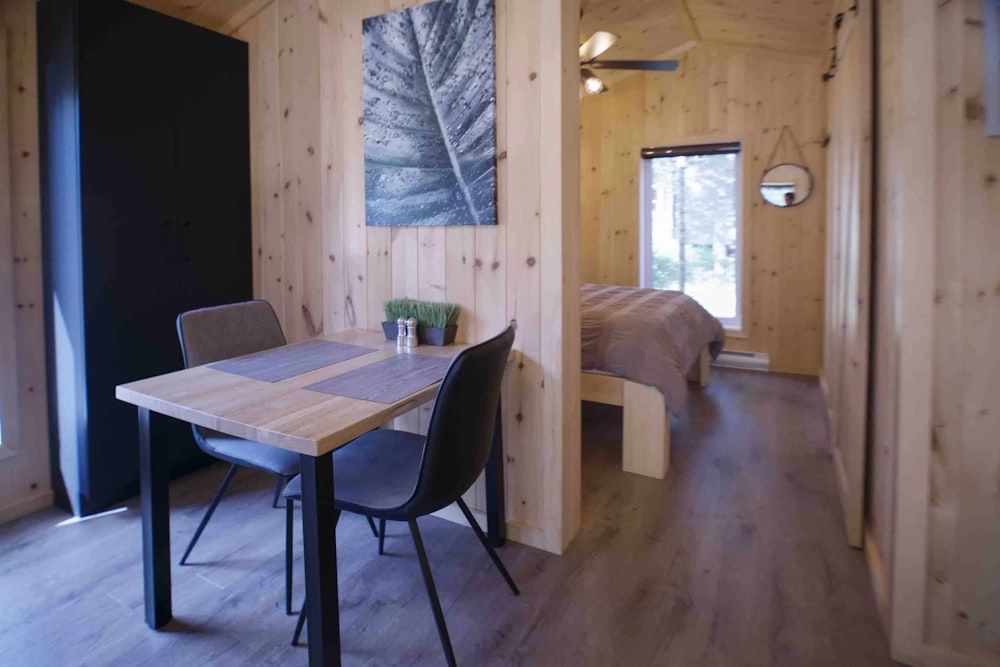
(653, 337)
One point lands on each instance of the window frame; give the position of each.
(734, 327)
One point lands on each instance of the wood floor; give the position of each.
(737, 558)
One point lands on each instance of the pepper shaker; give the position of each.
(411, 333)
(401, 332)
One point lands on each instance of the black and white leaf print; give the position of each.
(430, 115)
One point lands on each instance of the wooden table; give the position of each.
(281, 414)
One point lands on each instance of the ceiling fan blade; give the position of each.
(648, 65)
(597, 44)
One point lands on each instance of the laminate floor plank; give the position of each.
(737, 558)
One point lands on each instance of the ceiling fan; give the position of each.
(596, 45)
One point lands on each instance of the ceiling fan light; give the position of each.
(593, 85)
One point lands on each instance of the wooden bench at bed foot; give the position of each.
(645, 421)
(700, 373)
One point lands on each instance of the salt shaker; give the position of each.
(411, 333)
(401, 332)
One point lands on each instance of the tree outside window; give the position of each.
(693, 228)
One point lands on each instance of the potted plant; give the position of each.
(436, 321)
(395, 309)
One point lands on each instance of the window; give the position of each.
(691, 225)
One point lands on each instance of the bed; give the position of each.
(639, 349)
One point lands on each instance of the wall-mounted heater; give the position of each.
(750, 361)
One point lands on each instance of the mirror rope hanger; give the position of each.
(774, 152)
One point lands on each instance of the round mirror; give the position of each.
(786, 185)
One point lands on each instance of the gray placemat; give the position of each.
(281, 363)
(386, 381)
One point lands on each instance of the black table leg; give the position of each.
(319, 538)
(154, 477)
(496, 508)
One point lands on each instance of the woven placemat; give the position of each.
(281, 363)
(386, 381)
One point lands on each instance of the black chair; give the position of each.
(208, 335)
(399, 476)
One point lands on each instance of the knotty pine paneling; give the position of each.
(720, 93)
(24, 456)
(325, 271)
(963, 560)
(934, 498)
(848, 261)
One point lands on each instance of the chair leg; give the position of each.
(489, 547)
(371, 524)
(425, 570)
(289, 534)
(211, 510)
(381, 536)
(300, 624)
(278, 486)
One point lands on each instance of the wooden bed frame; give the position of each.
(646, 422)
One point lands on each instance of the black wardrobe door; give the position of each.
(213, 170)
(130, 241)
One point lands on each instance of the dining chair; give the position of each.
(208, 335)
(399, 476)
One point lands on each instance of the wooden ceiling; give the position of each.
(223, 16)
(656, 28)
(648, 28)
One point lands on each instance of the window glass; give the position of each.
(692, 213)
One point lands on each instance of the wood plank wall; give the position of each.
(848, 260)
(24, 455)
(933, 506)
(720, 93)
(963, 598)
(324, 270)
(904, 313)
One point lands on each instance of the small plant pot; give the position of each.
(425, 335)
(437, 335)
(390, 329)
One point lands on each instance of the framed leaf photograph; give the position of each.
(430, 115)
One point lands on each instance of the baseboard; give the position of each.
(825, 388)
(516, 531)
(454, 514)
(26, 506)
(880, 582)
(840, 472)
(531, 536)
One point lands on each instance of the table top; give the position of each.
(282, 414)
